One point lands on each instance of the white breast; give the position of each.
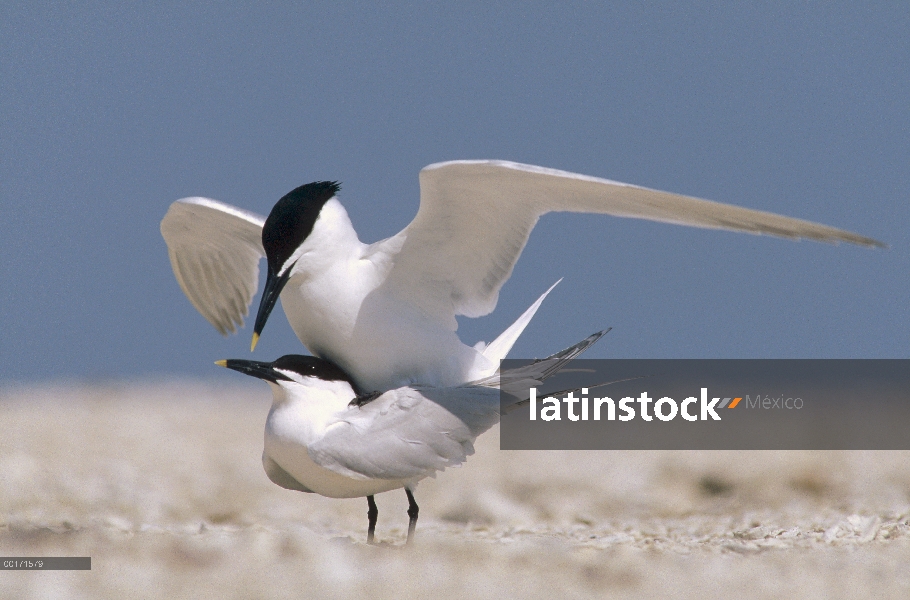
(293, 424)
(344, 315)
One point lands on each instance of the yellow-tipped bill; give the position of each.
(221, 363)
(254, 342)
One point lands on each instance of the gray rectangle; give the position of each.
(783, 405)
(46, 563)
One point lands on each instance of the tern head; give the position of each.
(286, 229)
(289, 370)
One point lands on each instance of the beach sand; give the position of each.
(161, 484)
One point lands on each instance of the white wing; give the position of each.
(475, 218)
(413, 432)
(215, 251)
(408, 432)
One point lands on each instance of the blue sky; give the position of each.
(110, 112)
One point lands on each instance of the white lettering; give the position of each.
(644, 400)
(624, 406)
(706, 408)
(673, 409)
(550, 413)
(570, 401)
(611, 409)
(684, 410)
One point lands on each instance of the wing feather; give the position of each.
(215, 251)
(408, 433)
(475, 218)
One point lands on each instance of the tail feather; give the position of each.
(499, 348)
(535, 373)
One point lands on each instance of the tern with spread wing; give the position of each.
(324, 434)
(385, 312)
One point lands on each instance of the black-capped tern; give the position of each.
(385, 312)
(325, 435)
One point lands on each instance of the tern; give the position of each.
(325, 435)
(385, 312)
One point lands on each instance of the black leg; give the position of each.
(372, 514)
(413, 509)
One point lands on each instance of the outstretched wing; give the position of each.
(475, 218)
(215, 251)
(408, 432)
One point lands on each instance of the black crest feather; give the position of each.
(292, 219)
(310, 366)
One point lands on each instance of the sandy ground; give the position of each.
(163, 487)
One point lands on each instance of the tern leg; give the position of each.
(413, 509)
(372, 514)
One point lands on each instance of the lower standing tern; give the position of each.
(326, 436)
(385, 312)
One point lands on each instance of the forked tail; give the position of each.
(535, 373)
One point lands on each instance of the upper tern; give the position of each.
(325, 435)
(385, 312)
